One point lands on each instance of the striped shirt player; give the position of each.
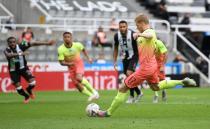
(125, 40)
(17, 64)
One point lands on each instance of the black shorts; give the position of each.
(16, 75)
(129, 64)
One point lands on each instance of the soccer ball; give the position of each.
(92, 109)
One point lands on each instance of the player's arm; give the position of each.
(165, 57)
(163, 50)
(39, 43)
(147, 35)
(11, 55)
(163, 60)
(64, 63)
(135, 35)
(115, 54)
(87, 56)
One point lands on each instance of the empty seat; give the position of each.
(70, 13)
(88, 22)
(51, 57)
(116, 14)
(124, 15)
(132, 15)
(41, 48)
(88, 14)
(60, 13)
(97, 14)
(79, 14)
(107, 15)
(31, 57)
(41, 57)
(51, 48)
(2, 58)
(52, 12)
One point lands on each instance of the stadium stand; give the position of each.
(78, 20)
(5, 14)
(83, 18)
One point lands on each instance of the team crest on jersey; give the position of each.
(71, 50)
(140, 41)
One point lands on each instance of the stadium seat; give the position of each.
(88, 14)
(60, 13)
(41, 56)
(70, 14)
(31, 57)
(52, 12)
(107, 15)
(97, 14)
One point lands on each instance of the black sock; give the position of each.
(138, 91)
(29, 89)
(23, 93)
(132, 92)
(163, 93)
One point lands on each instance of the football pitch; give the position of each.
(187, 108)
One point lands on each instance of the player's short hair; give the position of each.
(142, 18)
(123, 21)
(67, 33)
(11, 37)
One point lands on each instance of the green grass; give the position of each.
(186, 109)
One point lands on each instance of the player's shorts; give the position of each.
(78, 68)
(16, 75)
(140, 75)
(161, 73)
(129, 64)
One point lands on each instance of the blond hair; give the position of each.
(142, 18)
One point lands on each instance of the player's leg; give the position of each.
(15, 77)
(130, 82)
(155, 97)
(166, 84)
(87, 84)
(164, 95)
(127, 73)
(26, 73)
(162, 77)
(131, 97)
(118, 100)
(79, 86)
(29, 89)
(139, 94)
(80, 72)
(130, 69)
(83, 89)
(93, 93)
